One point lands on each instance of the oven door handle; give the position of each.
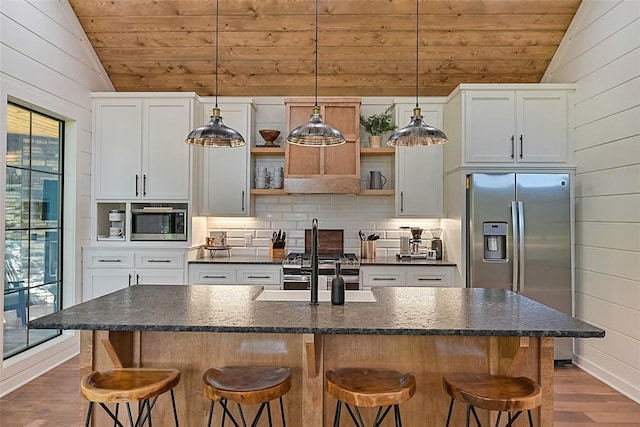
(296, 278)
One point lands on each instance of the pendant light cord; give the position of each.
(217, 20)
(316, 66)
(417, 44)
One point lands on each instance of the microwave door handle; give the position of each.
(515, 246)
(521, 254)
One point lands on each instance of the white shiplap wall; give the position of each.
(47, 63)
(601, 55)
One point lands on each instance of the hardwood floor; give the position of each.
(580, 401)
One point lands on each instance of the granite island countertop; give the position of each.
(398, 311)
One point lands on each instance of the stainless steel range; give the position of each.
(296, 268)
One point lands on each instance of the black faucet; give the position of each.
(314, 261)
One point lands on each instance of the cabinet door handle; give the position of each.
(130, 279)
(144, 185)
(137, 279)
(385, 278)
(513, 146)
(429, 279)
(206, 276)
(402, 201)
(137, 181)
(521, 146)
(159, 260)
(258, 277)
(109, 260)
(242, 200)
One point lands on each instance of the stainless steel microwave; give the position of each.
(158, 224)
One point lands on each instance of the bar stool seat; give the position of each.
(370, 388)
(246, 385)
(493, 393)
(126, 385)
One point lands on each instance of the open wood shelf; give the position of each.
(267, 192)
(378, 151)
(376, 193)
(267, 151)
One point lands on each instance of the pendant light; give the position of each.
(316, 133)
(417, 133)
(215, 133)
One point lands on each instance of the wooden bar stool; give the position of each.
(129, 385)
(493, 393)
(248, 385)
(370, 388)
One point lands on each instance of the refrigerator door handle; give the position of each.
(516, 260)
(521, 248)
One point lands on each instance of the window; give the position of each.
(33, 226)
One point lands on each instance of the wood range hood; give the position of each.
(324, 170)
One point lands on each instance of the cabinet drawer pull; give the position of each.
(109, 260)
(258, 277)
(384, 278)
(206, 276)
(432, 279)
(159, 260)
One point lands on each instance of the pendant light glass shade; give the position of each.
(215, 133)
(417, 133)
(316, 133)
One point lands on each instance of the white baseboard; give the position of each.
(629, 390)
(18, 372)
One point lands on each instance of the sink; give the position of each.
(304, 295)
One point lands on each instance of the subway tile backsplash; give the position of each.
(293, 214)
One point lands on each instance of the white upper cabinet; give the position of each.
(225, 176)
(419, 177)
(507, 124)
(139, 148)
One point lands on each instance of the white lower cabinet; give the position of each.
(392, 275)
(109, 270)
(269, 276)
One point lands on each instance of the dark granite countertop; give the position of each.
(392, 260)
(220, 258)
(398, 311)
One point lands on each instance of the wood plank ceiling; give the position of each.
(365, 47)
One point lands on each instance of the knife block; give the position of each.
(276, 253)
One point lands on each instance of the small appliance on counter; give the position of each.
(436, 242)
(116, 226)
(412, 246)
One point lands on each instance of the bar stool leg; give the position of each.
(530, 419)
(88, 420)
(396, 411)
(284, 423)
(468, 415)
(450, 410)
(210, 414)
(336, 418)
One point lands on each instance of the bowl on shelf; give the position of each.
(269, 136)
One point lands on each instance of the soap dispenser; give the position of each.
(337, 287)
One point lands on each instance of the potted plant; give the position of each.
(377, 124)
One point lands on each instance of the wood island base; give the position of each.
(309, 356)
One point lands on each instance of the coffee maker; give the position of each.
(116, 229)
(416, 240)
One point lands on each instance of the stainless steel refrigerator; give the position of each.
(519, 237)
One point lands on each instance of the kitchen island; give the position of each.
(427, 331)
